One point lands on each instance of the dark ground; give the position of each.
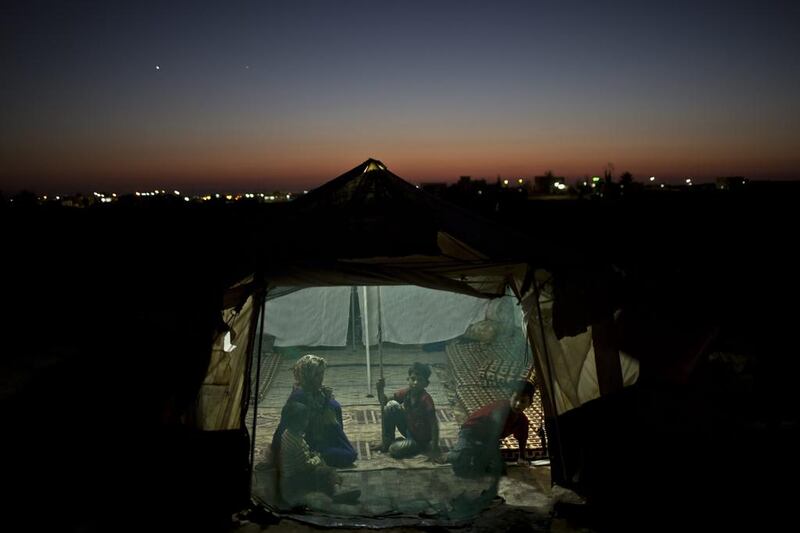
(106, 313)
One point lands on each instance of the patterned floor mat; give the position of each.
(363, 427)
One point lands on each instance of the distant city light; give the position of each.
(662, 185)
(229, 197)
(519, 181)
(505, 182)
(288, 196)
(652, 178)
(595, 178)
(177, 193)
(185, 198)
(594, 185)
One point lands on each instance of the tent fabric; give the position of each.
(485, 279)
(370, 227)
(588, 387)
(383, 215)
(570, 360)
(221, 396)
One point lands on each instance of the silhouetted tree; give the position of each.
(626, 178)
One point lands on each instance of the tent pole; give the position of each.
(255, 393)
(380, 332)
(366, 344)
(550, 376)
(353, 301)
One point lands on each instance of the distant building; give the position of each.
(466, 184)
(549, 184)
(435, 188)
(728, 183)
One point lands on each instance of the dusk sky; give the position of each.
(268, 94)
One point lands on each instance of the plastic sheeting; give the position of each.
(409, 315)
(415, 315)
(316, 316)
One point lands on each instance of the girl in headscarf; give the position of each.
(325, 432)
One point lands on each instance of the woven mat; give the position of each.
(489, 364)
(362, 425)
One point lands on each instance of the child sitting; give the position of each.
(300, 470)
(477, 452)
(410, 411)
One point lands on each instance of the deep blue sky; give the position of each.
(258, 95)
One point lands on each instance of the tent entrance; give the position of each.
(475, 349)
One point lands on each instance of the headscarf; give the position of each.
(306, 369)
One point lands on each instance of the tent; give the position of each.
(370, 228)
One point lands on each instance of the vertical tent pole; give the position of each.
(366, 343)
(353, 301)
(380, 332)
(255, 393)
(552, 399)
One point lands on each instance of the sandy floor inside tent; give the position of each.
(389, 487)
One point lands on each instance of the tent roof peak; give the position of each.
(372, 164)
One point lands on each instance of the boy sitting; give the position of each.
(410, 411)
(302, 471)
(477, 452)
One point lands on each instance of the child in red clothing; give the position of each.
(476, 453)
(410, 411)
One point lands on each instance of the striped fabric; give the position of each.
(296, 458)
